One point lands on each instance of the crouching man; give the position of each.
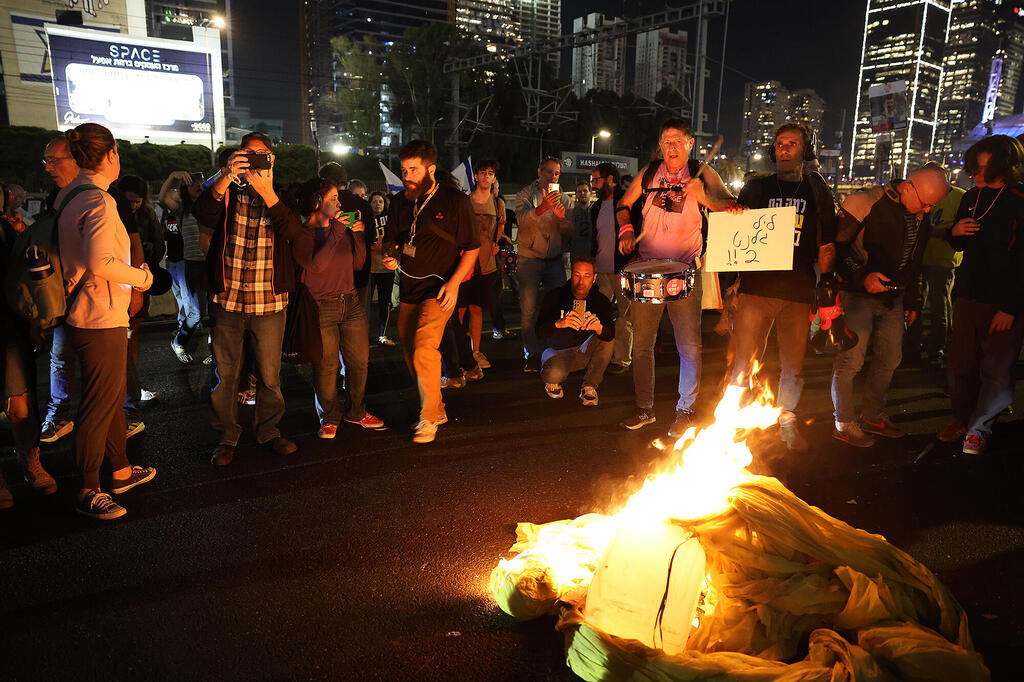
(576, 324)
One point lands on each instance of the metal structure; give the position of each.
(544, 106)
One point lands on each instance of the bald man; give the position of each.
(879, 247)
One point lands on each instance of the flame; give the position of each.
(707, 463)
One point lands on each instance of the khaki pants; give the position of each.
(420, 328)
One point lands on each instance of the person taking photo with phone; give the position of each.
(185, 258)
(250, 270)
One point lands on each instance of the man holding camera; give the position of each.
(880, 244)
(541, 212)
(250, 270)
(577, 324)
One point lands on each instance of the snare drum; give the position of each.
(657, 280)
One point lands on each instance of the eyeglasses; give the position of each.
(52, 160)
(923, 203)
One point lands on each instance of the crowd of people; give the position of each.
(290, 273)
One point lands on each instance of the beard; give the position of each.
(417, 189)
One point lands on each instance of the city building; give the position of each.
(903, 44)
(539, 20)
(660, 62)
(492, 22)
(769, 104)
(807, 107)
(600, 65)
(981, 70)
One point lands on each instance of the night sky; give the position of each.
(802, 43)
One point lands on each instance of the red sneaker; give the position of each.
(974, 445)
(327, 431)
(953, 432)
(368, 422)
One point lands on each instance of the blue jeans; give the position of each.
(981, 365)
(63, 364)
(593, 356)
(685, 317)
(267, 333)
(344, 327)
(877, 324)
(186, 276)
(532, 273)
(751, 326)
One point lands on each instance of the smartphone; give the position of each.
(553, 187)
(579, 306)
(352, 216)
(258, 160)
(197, 178)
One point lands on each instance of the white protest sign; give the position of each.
(758, 239)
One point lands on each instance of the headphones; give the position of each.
(311, 199)
(810, 142)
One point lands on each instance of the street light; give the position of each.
(218, 21)
(605, 134)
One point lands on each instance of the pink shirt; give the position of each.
(674, 234)
(95, 251)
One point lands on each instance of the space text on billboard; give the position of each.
(123, 84)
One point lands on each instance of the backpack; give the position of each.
(34, 286)
(693, 167)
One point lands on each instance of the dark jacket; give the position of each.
(215, 215)
(350, 202)
(558, 303)
(992, 270)
(595, 210)
(870, 238)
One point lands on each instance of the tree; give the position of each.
(358, 101)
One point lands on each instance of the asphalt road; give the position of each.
(368, 557)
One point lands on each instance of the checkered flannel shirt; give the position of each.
(249, 261)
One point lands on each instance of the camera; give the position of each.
(258, 160)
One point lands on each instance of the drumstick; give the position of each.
(700, 169)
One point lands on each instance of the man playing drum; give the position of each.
(672, 227)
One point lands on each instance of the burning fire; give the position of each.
(710, 462)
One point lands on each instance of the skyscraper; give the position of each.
(600, 65)
(539, 20)
(660, 62)
(765, 108)
(981, 69)
(903, 41)
(807, 107)
(489, 21)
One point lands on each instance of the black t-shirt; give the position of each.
(446, 227)
(796, 284)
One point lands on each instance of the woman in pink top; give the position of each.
(98, 280)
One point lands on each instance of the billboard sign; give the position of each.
(137, 87)
(995, 75)
(888, 102)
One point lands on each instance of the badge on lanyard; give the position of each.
(409, 250)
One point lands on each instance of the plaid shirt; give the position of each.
(249, 261)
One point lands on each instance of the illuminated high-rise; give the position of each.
(492, 22)
(539, 20)
(981, 69)
(600, 65)
(904, 40)
(660, 62)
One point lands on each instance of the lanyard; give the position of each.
(417, 210)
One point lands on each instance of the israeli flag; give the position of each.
(394, 182)
(463, 174)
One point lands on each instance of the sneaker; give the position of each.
(425, 432)
(148, 395)
(790, 435)
(532, 366)
(54, 431)
(138, 476)
(639, 419)
(184, 357)
(6, 499)
(454, 382)
(208, 360)
(443, 419)
(222, 455)
(554, 391)
(247, 397)
(327, 431)
(588, 394)
(475, 374)
(881, 426)
(953, 432)
(369, 422)
(974, 445)
(35, 475)
(616, 368)
(500, 334)
(99, 505)
(134, 428)
(481, 360)
(852, 434)
(683, 421)
(385, 341)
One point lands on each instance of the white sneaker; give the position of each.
(588, 394)
(481, 360)
(554, 391)
(425, 432)
(148, 395)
